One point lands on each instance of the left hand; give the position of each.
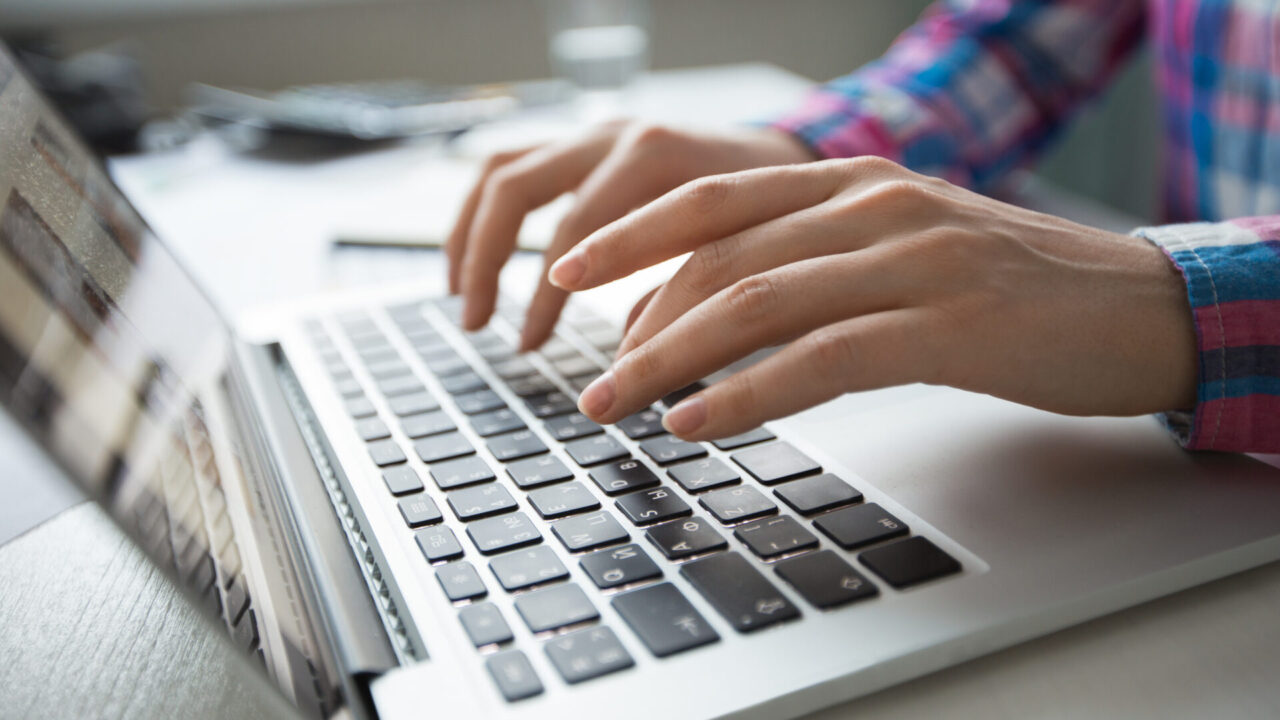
(881, 277)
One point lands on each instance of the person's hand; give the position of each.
(614, 169)
(878, 276)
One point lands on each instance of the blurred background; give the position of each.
(1109, 154)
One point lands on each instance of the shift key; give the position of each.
(739, 592)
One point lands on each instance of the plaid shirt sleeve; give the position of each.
(975, 89)
(1232, 270)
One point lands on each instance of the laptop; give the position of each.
(391, 517)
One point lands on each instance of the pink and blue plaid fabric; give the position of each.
(978, 88)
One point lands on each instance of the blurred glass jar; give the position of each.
(598, 45)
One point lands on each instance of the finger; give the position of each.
(511, 192)
(456, 244)
(759, 311)
(864, 353)
(639, 308)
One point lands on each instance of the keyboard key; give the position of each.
(505, 532)
(704, 474)
(537, 471)
(557, 348)
(776, 536)
(624, 476)
(812, 495)
(581, 382)
(526, 568)
(587, 654)
(480, 501)
(545, 405)
(419, 510)
(400, 385)
(496, 422)
(413, 404)
(461, 472)
(348, 387)
(442, 447)
(479, 401)
(460, 581)
(430, 423)
(664, 620)
(736, 504)
(372, 428)
(642, 425)
(588, 532)
(555, 607)
(595, 450)
(669, 448)
(561, 500)
(513, 368)
(385, 452)
(575, 365)
(497, 353)
(671, 398)
(447, 365)
(385, 369)
(749, 437)
(825, 579)
(532, 385)
(744, 597)
(860, 525)
(619, 566)
(909, 562)
(775, 462)
(484, 624)
(439, 543)
(360, 407)
(516, 445)
(402, 480)
(463, 382)
(571, 426)
(653, 506)
(513, 675)
(683, 538)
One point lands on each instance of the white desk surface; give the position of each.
(90, 628)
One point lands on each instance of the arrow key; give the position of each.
(825, 579)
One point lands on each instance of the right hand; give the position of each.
(614, 169)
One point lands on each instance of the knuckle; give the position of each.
(641, 363)
(743, 398)
(506, 183)
(702, 273)
(705, 195)
(752, 299)
(831, 352)
(872, 165)
(648, 136)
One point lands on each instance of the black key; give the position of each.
(439, 543)
(372, 428)
(505, 532)
(669, 449)
(430, 423)
(537, 471)
(463, 382)
(246, 632)
(513, 675)
(587, 654)
(595, 449)
(530, 386)
(775, 462)
(479, 401)
(776, 536)
(561, 500)
(555, 607)
(642, 425)
(860, 525)
(550, 404)
(664, 620)
(573, 425)
(516, 445)
(385, 452)
(736, 504)
(460, 581)
(237, 600)
(581, 382)
(683, 538)
(402, 480)
(749, 437)
(419, 510)
(442, 447)
(348, 387)
(402, 385)
(671, 398)
(738, 592)
(413, 404)
(653, 506)
(619, 566)
(461, 472)
(625, 476)
(360, 407)
(446, 365)
(704, 474)
(480, 501)
(526, 568)
(495, 422)
(815, 494)
(513, 368)
(825, 579)
(909, 562)
(384, 369)
(484, 624)
(588, 532)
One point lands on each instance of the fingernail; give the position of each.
(599, 395)
(686, 417)
(569, 269)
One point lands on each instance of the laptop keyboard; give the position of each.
(572, 482)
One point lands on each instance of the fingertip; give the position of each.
(567, 272)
